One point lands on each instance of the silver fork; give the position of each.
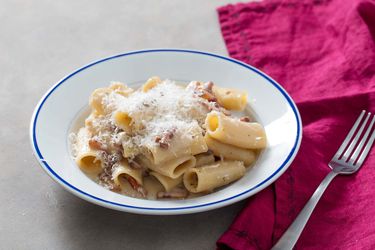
(347, 160)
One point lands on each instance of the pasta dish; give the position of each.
(166, 140)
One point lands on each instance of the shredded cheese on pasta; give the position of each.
(165, 107)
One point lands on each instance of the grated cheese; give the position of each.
(167, 106)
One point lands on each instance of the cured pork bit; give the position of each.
(245, 119)
(165, 139)
(134, 184)
(176, 193)
(215, 106)
(97, 145)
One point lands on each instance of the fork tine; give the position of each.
(349, 136)
(359, 148)
(362, 157)
(356, 138)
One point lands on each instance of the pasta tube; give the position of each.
(121, 89)
(212, 176)
(178, 147)
(167, 182)
(229, 152)
(204, 159)
(231, 99)
(123, 171)
(123, 121)
(249, 135)
(89, 160)
(173, 168)
(96, 100)
(198, 144)
(151, 83)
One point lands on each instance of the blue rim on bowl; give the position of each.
(110, 204)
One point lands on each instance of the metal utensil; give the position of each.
(347, 160)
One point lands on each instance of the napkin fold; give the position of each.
(323, 53)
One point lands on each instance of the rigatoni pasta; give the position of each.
(232, 131)
(123, 121)
(195, 145)
(96, 100)
(167, 182)
(231, 99)
(166, 140)
(230, 152)
(212, 176)
(150, 83)
(173, 168)
(124, 172)
(204, 159)
(87, 158)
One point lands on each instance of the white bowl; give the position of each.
(59, 107)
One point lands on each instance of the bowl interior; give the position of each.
(59, 108)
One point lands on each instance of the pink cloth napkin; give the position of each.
(323, 54)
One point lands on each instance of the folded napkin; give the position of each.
(323, 53)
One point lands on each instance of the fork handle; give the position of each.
(291, 235)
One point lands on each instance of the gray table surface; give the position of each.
(40, 42)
